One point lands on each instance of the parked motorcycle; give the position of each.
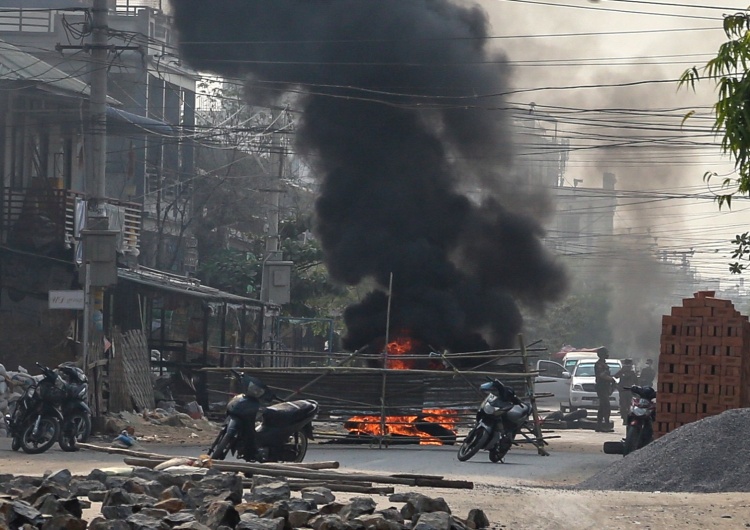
(499, 419)
(35, 420)
(76, 424)
(281, 436)
(639, 431)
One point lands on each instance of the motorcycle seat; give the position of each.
(289, 412)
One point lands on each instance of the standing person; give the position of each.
(648, 374)
(604, 386)
(627, 377)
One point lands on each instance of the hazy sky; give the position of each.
(642, 44)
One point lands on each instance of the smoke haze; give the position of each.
(396, 122)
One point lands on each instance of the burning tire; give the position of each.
(474, 441)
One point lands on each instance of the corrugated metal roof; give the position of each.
(17, 65)
(181, 285)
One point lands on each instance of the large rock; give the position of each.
(116, 497)
(416, 503)
(99, 523)
(433, 521)
(276, 490)
(218, 513)
(328, 522)
(319, 495)
(477, 519)
(61, 477)
(64, 522)
(139, 521)
(357, 506)
(257, 523)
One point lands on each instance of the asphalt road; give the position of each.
(523, 465)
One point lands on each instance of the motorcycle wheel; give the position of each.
(76, 428)
(49, 433)
(299, 446)
(221, 445)
(632, 439)
(474, 441)
(15, 443)
(498, 452)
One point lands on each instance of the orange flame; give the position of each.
(405, 425)
(400, 346)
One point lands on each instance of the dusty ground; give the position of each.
(544, 504)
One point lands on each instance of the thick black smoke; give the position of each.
(403, 125)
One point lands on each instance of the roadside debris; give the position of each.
(703, 456)
(202, 499)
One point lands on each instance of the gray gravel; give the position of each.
(707, 456)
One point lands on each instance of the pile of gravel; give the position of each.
(707, 456)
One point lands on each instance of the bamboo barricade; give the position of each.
(378, 408)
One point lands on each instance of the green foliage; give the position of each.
(732, 112)
(232, 271)
(312, 293)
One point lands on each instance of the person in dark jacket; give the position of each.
(604, 387)
(627, 378)
(648, 374)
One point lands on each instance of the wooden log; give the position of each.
(145, 461)
(288, 471)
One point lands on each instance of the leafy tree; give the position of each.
(579, 320)
(732, 112)
(312, 293)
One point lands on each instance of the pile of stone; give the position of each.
(12, 386)
(705, 456)
(206, 499)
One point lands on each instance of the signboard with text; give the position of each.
(66, 300)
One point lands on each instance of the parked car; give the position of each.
(572, 357)
(583, 385)
(552, 379)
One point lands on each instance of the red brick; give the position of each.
(702, 312)
(710, 379)
(730, 401)
(733, 340)
(689, 389)
(680, 311)
(731, 361)
(728, 380)
(693, 302)
(708, 393)
(686, 417)
(684, 398)
(717, 302)
(727, 312)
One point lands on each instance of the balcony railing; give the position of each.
(43, 220)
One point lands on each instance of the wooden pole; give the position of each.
(385, 363)
(332, 369)
(530, 391)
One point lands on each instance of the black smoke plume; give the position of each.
(403, 125)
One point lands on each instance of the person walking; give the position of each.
(604, 386)
(648, 374)
(627, 378)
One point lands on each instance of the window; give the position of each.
(25, 20)
(550, 369)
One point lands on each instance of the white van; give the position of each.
(572, 357)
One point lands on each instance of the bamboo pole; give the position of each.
(156, 458)
(385, 363)
(332, 476)
(530, 391)
(333, 369)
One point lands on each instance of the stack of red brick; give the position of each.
(704, 363)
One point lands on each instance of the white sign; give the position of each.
(66, 299)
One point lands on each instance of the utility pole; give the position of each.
(95, 181)
(99, 255)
